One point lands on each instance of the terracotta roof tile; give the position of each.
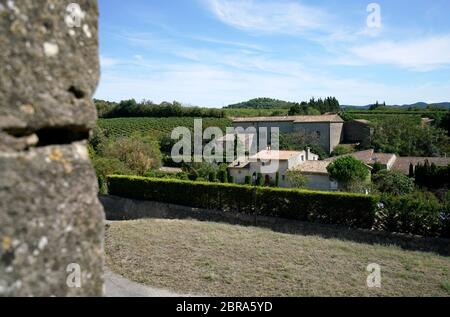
(296, 119)
(402, 163)
(276, 155)
(313, 167)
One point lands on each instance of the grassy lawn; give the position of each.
(229, 260)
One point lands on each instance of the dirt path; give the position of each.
(118, 286)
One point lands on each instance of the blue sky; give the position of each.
(218, 52)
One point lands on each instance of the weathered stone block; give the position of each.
(51, 223)
(50, 218)
(48, 64)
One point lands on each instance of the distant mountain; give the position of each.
(262, 103)
(417, 105)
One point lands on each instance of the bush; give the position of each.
(418, 213)
(445, 217)
(107, 166)
(342, 149)
(248, 180)
(212, 177)
(259, 180)
(222, 176)
(296, 179)
(393, 182)
(330, 208)
(139, 154)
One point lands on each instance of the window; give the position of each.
(283, 177)
(303, 158)
(318, 134)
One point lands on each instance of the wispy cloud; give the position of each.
(218, 85)
(419, 55)
(108, 62)
(279, 16)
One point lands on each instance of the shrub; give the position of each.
(377, 167)
(248, 180)
(212, 177)
(342, 149)
(139, 154)
(222, 176)
(445, 217)
(296, 179)
(418, 213)
(107, 166)
(393, 182)
(259, 180)
(331, 208)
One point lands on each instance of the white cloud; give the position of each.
(217, 86)
(420, 55)
(275, 16)
(108, 62)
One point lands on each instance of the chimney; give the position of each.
(308, 153)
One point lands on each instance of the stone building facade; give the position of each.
(329, 129)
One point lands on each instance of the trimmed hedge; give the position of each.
(329, 208)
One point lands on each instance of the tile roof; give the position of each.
(267, 155)
(369, 157)
(402, 163)
(296, 119)
(313, 167)
(239, 164)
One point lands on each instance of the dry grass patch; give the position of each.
(230, 260)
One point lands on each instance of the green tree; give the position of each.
(342, 149)
(222, 176)
(212, 177)
(108, 166)
(403, 136)
(377, 167)
(97, 137)
(139, 154)
(296, 179)
(277, 179)
(259, 180)
(347, 170)
(393, 182)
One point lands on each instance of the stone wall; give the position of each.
(357, 132)
(51, 222)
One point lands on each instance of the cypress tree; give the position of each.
(411, 170)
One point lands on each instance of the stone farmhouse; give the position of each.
(259, 163)
(329, 129)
